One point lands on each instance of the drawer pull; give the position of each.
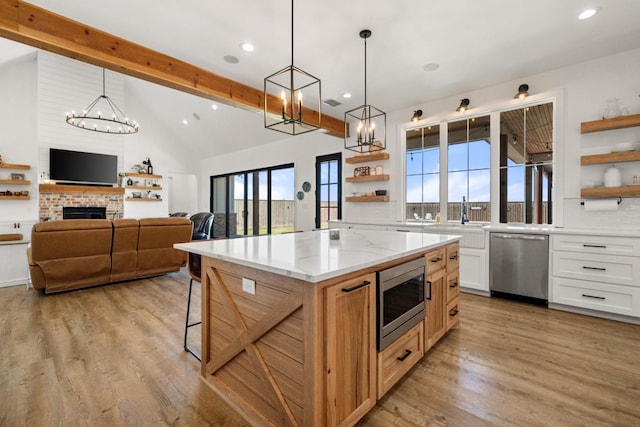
(454, 257)
(595, 246)
(361, 285)
(594, 268)
(453, 313)
(453, 285)
(436, 260)
(403, 231)
(404, 356)
(592, 296)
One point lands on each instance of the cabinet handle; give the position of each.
(594, 246)
(594, 268)
(454, 257)
(403, 231)
(453, 313)
(361, 285)
(592, 296)
(436, 260)
(404, 356)
(454, 285)
(429, 283)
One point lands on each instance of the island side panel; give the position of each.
(260, 353)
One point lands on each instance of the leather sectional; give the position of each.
(79, 253)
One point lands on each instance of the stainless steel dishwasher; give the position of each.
(519, 266)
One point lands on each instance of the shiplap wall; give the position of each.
(65, 85)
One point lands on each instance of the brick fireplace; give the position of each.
(54, 197)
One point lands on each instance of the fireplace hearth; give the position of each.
(92, 212)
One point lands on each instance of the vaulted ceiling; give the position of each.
(474, 43)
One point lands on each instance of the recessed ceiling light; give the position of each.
(346, 95)
(247, 46)
(432, 66)
(588, 13)
(184, 121)
(231, 59)
(214, 106)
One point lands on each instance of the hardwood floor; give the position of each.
(112, 356)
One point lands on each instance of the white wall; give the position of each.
(582, 90)
(38, 90)
(18, 137)
(301, 150)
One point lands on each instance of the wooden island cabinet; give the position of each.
(289, 323)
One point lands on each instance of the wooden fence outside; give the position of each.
(476, 211)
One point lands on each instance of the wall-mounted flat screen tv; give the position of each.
(82, 168)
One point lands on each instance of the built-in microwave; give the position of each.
(400, 300)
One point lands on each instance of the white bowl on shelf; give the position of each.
(624, 146)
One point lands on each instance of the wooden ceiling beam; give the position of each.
(40, 28)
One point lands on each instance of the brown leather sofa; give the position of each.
(79, 253)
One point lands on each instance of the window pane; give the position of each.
(527, 147)
(422, 173)
(479, 155)
(328, 194)
(469, 150)
(237, 213)
(324, 173)
(282, 201)
(457, 189)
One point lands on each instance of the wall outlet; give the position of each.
(249, 286)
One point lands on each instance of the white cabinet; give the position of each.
(473, 269)
(14, 268)
(597, 273)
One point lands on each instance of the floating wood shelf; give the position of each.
(143, 175)
(373, 157)
(625, 191)
(618, 156)
(14, 166)
(142, 199)
(15, 198)
(142, 187)
(15, 181)
(368, 178)
(610, 124)
(87, 189)
(368, 199)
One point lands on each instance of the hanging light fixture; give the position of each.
(416, 115)
(292, 99)
(366, 120)
(464, 105)
(103, 115)
(522, 91)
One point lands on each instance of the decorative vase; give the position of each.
(612, 177)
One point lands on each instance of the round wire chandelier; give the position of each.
(103, 115)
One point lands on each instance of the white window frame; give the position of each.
(556, 97)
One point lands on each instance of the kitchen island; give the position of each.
(289, 322)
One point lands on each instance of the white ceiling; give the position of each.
(476, 44)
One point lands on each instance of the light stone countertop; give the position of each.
(454, 227)
(312, 256)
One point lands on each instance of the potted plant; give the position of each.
(121, 177)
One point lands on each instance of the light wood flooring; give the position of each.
(112, 356)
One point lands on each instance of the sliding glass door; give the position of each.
(257, 202)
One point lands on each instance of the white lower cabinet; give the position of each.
(473, 269)
(597, 273)
(601, 296)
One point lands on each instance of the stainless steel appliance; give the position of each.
(519, 266)
(400, 299)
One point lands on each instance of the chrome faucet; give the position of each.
(463, 214)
